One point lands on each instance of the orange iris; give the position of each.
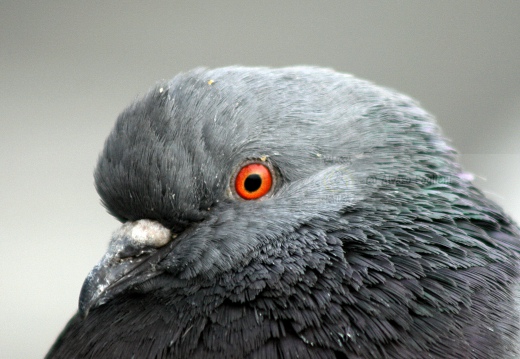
(253, 181)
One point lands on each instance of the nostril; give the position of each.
(130, 253)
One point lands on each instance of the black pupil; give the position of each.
(252, 182)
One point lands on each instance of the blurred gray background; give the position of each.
(68, 68)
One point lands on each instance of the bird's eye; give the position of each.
(253, 181)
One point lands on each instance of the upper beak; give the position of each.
(131, 258)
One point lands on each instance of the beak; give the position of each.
(131, 258)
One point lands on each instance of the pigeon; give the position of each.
(292, 213)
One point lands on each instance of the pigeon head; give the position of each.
(173, 158)
(300, 211)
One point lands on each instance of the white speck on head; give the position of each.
(466, 176)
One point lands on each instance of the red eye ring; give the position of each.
(253, 181)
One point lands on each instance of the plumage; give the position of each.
(372, 243)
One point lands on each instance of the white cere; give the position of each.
(147, 233)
